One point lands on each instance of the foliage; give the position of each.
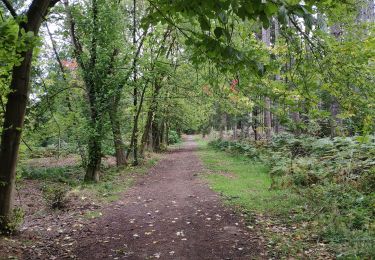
(71, 175)
(14, 223)
(334, 176)
(174, 137)
(55, 195)
(246, 149)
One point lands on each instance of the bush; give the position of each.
(244, 148)
(173, 137)
(335, 176)
(55, 195)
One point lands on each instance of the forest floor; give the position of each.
(169, 213)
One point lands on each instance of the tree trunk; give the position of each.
(296, 120)
(255, 122)
(116, 131)
(266, 38)
(276, 122)
(235, 132)
(223, 123)
(149, 120)
(335, 122)
(167, 133)
(146, 132)
(267, 118)
(135, 90)
(92, 90)
(162, 134)
(95, 137)
(94, 160)
(156, 136)
(15, 113)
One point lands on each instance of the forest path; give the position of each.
(169, 214)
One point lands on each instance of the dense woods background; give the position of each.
(287, 83)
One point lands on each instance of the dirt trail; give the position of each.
(169, 214)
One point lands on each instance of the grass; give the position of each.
(326, 206)
(70, 175)
(92, 214)
(245, 183)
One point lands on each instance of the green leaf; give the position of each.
(204, 23)
(265, 20)
(223, 17)
(270, 9)
(283, 15)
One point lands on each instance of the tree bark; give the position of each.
(296, 120)
(95, 135)
(235, 132)
(335, 122)
(255, 122)
(15, 113)
(88, 68)
(266, 38)
(223, 123)
(116, 131)
(156, 136)
(150, 118)
(267, 118)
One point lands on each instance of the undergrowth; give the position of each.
(58, 183)
(331, 184)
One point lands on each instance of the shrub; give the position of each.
(173, 137)
(244, 148)
(335, 176)
(55, 195)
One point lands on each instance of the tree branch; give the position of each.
(10, 8)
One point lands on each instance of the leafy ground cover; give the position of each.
(314, 197)
(53, 203)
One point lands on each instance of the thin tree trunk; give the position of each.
(276, 121)
(335, 122)
(167, 133)
(116, 131)
(255, 122)
(149, 120)
(156, 136)
(235, 132)
(266, 38)
(162, 132)
(95, 135)
(297, 120)
(15, 113)
(267, 118)
(135, 91)
(223, 123)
